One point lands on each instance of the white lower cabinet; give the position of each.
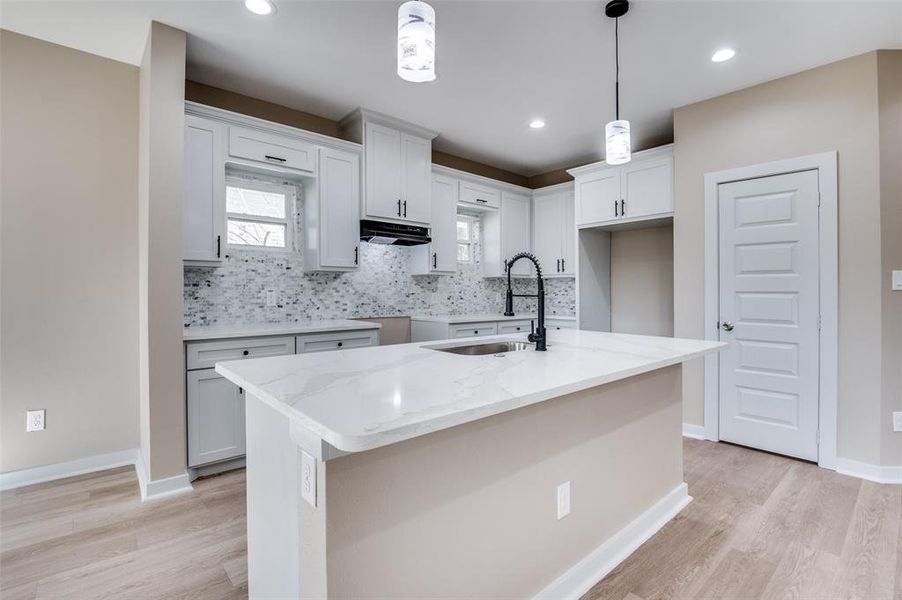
(215, 406)
(215, 418)
(428, 330)
(513, 326)
(473, 330)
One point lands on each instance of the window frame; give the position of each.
(471, 242)
(286, 189)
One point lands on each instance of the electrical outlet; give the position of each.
(897, 420)
(308, 478)
(34, 420)
(897, 281)
(563, 500)
(272, 298)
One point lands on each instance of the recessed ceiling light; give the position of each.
(722, 55)
(260, 7)
(537, 123)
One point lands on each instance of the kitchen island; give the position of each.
(412, 471)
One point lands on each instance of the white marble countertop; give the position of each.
(364, 398)
(218, 332)
(484, 317)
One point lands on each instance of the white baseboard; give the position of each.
(90, 464)
(160, 488)
(694, 431)
(875, 473)
(577, 580)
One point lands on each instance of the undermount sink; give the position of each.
(471, 349)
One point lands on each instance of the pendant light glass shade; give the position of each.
(617, 142)
(416, 42)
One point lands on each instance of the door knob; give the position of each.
(727, 325)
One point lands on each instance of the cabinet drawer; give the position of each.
(203, 355)
(474, 329)
(272, 149)
(559, 324)
(478, 195)
(513, 327)
(320, 342)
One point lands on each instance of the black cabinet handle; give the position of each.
(356, 255)
(340, 344)
(399, 207)
(405, 208)
(518, 329)
(476, 332)
(434, 260)
(275, 158)
(616, 214)
(558, 265)
(241, 390)
(563, 265)
(245, 353)
(482, 201)
(218, 244)
(622, 207)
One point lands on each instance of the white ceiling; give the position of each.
(500, 63)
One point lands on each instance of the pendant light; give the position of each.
(416, 42)
(617, 132)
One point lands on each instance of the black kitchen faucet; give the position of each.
(538, 336)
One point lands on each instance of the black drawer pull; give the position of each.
(275, 158)
(476, 332)
(482, 201)
(246, 352)
(340, 344)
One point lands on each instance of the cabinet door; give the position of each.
(444, 225)
(416, 180)
(515, 230)
(479, 195)
(215, 418)
(598, 197)
(272, 149)
(203, 200)
(568, 234)
(647, 187)
(339, 203)
(547, 229)
(383, 171)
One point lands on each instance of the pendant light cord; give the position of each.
(617, 68)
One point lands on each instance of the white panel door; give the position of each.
(444, 225)
(548, 227)
(598, 197)
(203, 200)
(769, 313)
(516, 231)
(339, 185)
(647, 188)
(215, 418)
(383, 171)
(417, 178)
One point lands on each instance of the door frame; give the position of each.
(825, 165)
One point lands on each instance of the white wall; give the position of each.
(642, 281)
(69, 299)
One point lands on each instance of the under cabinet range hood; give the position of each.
(378, 232)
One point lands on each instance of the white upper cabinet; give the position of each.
(440, 255)
(479, 196)
(332, 213)
(554, 230)
(272, 149)
(398, 166)
(383, 172)
(516, 228)
(640, 190)
(203, 202)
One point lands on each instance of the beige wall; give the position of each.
(642, 281)
(161, 359)
(889, 83)
(69, 251)
(833, 107)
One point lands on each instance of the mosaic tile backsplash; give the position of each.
(235, 292)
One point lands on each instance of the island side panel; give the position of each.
(471, 511)
(277, 519)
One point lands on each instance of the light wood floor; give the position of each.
(761, 526)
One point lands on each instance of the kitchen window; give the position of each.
(258, 214)
(465, 238)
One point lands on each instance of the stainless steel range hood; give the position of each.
(378, 232)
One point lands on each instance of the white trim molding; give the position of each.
(580, 578)
(825, 165)
(875, 473)
(81, 466)
(690, 430)
(160, 488)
